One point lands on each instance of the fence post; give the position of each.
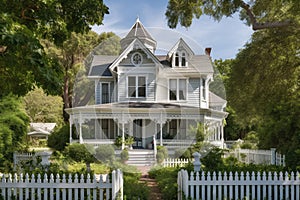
(197, 163)
(273, 156)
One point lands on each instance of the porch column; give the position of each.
(222, 134)
(123, 119)
(70, 124)
(161, 121)
(123, 135)
(80, 129)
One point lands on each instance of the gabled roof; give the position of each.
(202, 63)
(41, 128)
(135, 44)
(215, 100)
(179, 43)
(100, 65)
(138, 31)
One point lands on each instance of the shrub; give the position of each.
(167, 181)
(105, 152)
(124, 155)
(59, 138)
(162, 153)
(133, 189)
(80, 152)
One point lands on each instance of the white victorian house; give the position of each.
(154, 98)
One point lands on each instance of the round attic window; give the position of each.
(136, 59)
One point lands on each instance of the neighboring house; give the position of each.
(150, 97)
(41, 130)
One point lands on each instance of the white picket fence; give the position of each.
(269, 157)
(260, 186)
(35, 187)
(174, 162)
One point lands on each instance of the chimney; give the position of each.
(207, 51)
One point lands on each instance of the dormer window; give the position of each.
(183, 59)
(180, 59)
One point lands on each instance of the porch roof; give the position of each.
(144, 108)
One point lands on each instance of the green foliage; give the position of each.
(198, 132)
(133, 189)
(124, 155)
(266, 95)
(80, 152)
(213, 160)
(129, 140)
(13, 129)
(105, 153)
(24, 24)
(59, 138)
(183, 12)
(167, 181)
(41, 107)
(162, 153)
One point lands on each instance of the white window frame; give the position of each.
(177, 89)
(137, 86)
(180, 56)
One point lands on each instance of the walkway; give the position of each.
(155, 193)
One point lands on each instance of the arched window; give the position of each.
(180, 59)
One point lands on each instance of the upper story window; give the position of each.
(203, 89)
(136, 86)
(105, 93)
(177, 89)
(180, 59)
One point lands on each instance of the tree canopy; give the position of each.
(24, 62)
(264, 89)
(41, 107)
(13, 128)
(260, 14)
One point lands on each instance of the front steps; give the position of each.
(141, 157)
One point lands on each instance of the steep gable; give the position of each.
(136, 44)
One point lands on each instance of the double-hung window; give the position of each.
(177, 89)
(136, 86)
(105, 93)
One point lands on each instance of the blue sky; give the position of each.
(225, 37)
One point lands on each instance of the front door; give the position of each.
(138, 133)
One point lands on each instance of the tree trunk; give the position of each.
(66, 99)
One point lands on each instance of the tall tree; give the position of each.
(23, 62)
(264, 89)
(260, 14)
(72, 55)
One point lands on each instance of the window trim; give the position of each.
(177, 89)
(137, 86)
(179, 55)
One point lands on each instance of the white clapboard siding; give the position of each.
(62, 187)
(174, 162)
(250, 186)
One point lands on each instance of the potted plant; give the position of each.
(129, 140)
